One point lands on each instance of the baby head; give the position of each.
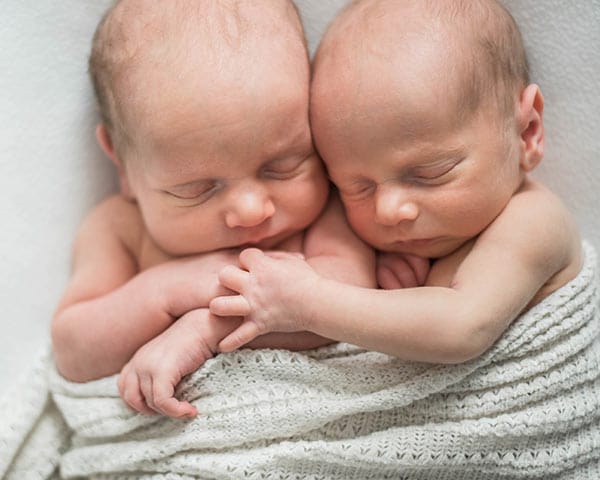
(204, 110)
(423, 113)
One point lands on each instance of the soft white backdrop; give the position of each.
(51, 172)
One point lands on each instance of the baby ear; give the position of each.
(107, 146)
(531, 127)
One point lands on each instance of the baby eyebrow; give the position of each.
(435, 164)
(441, 154)
(435, 157)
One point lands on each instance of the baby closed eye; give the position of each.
(283, 168)
(198, 191)
(434, 174)
(358, 189)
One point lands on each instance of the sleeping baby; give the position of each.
(205, 116)
(425, 117)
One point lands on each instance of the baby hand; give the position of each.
(147, 382)
(271, 291)
(400, 270)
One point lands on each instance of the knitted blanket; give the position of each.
(528, 408)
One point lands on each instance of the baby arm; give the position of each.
(448, 323)
(147, 382)
(332, 251)
(109, 309)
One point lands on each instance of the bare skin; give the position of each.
(165, 303)
(457, 316)
(206, 171)
(418, 178)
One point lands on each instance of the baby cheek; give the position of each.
(469, 216)
(315, 180)
(309, 196)
(188, 232)
(361, 218)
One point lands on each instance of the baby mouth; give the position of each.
(262, 242)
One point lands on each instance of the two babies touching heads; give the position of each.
(226, 232)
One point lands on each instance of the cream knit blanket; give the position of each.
(528, 408)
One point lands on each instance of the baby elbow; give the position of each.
(58, 335)
(467, 345)
(470, 349)
(62, 348)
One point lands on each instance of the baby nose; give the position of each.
(393, 206)
(249, 207)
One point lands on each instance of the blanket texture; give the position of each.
(527, 408)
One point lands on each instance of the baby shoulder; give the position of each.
(115, 217)
(541, 228)
(537, 209)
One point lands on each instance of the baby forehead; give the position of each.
(222, 120)
(389, 77)
(452, 53)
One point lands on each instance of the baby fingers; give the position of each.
(401, 270)
(159, 395)
(230, 306)
(233, 278)
(392, 279)
(242, 335)
(129, 389)
(249, 256)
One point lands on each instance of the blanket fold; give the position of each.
(527, 408)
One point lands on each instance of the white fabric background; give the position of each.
(51, 172)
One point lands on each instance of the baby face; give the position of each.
(232, 169)
(414, 176)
